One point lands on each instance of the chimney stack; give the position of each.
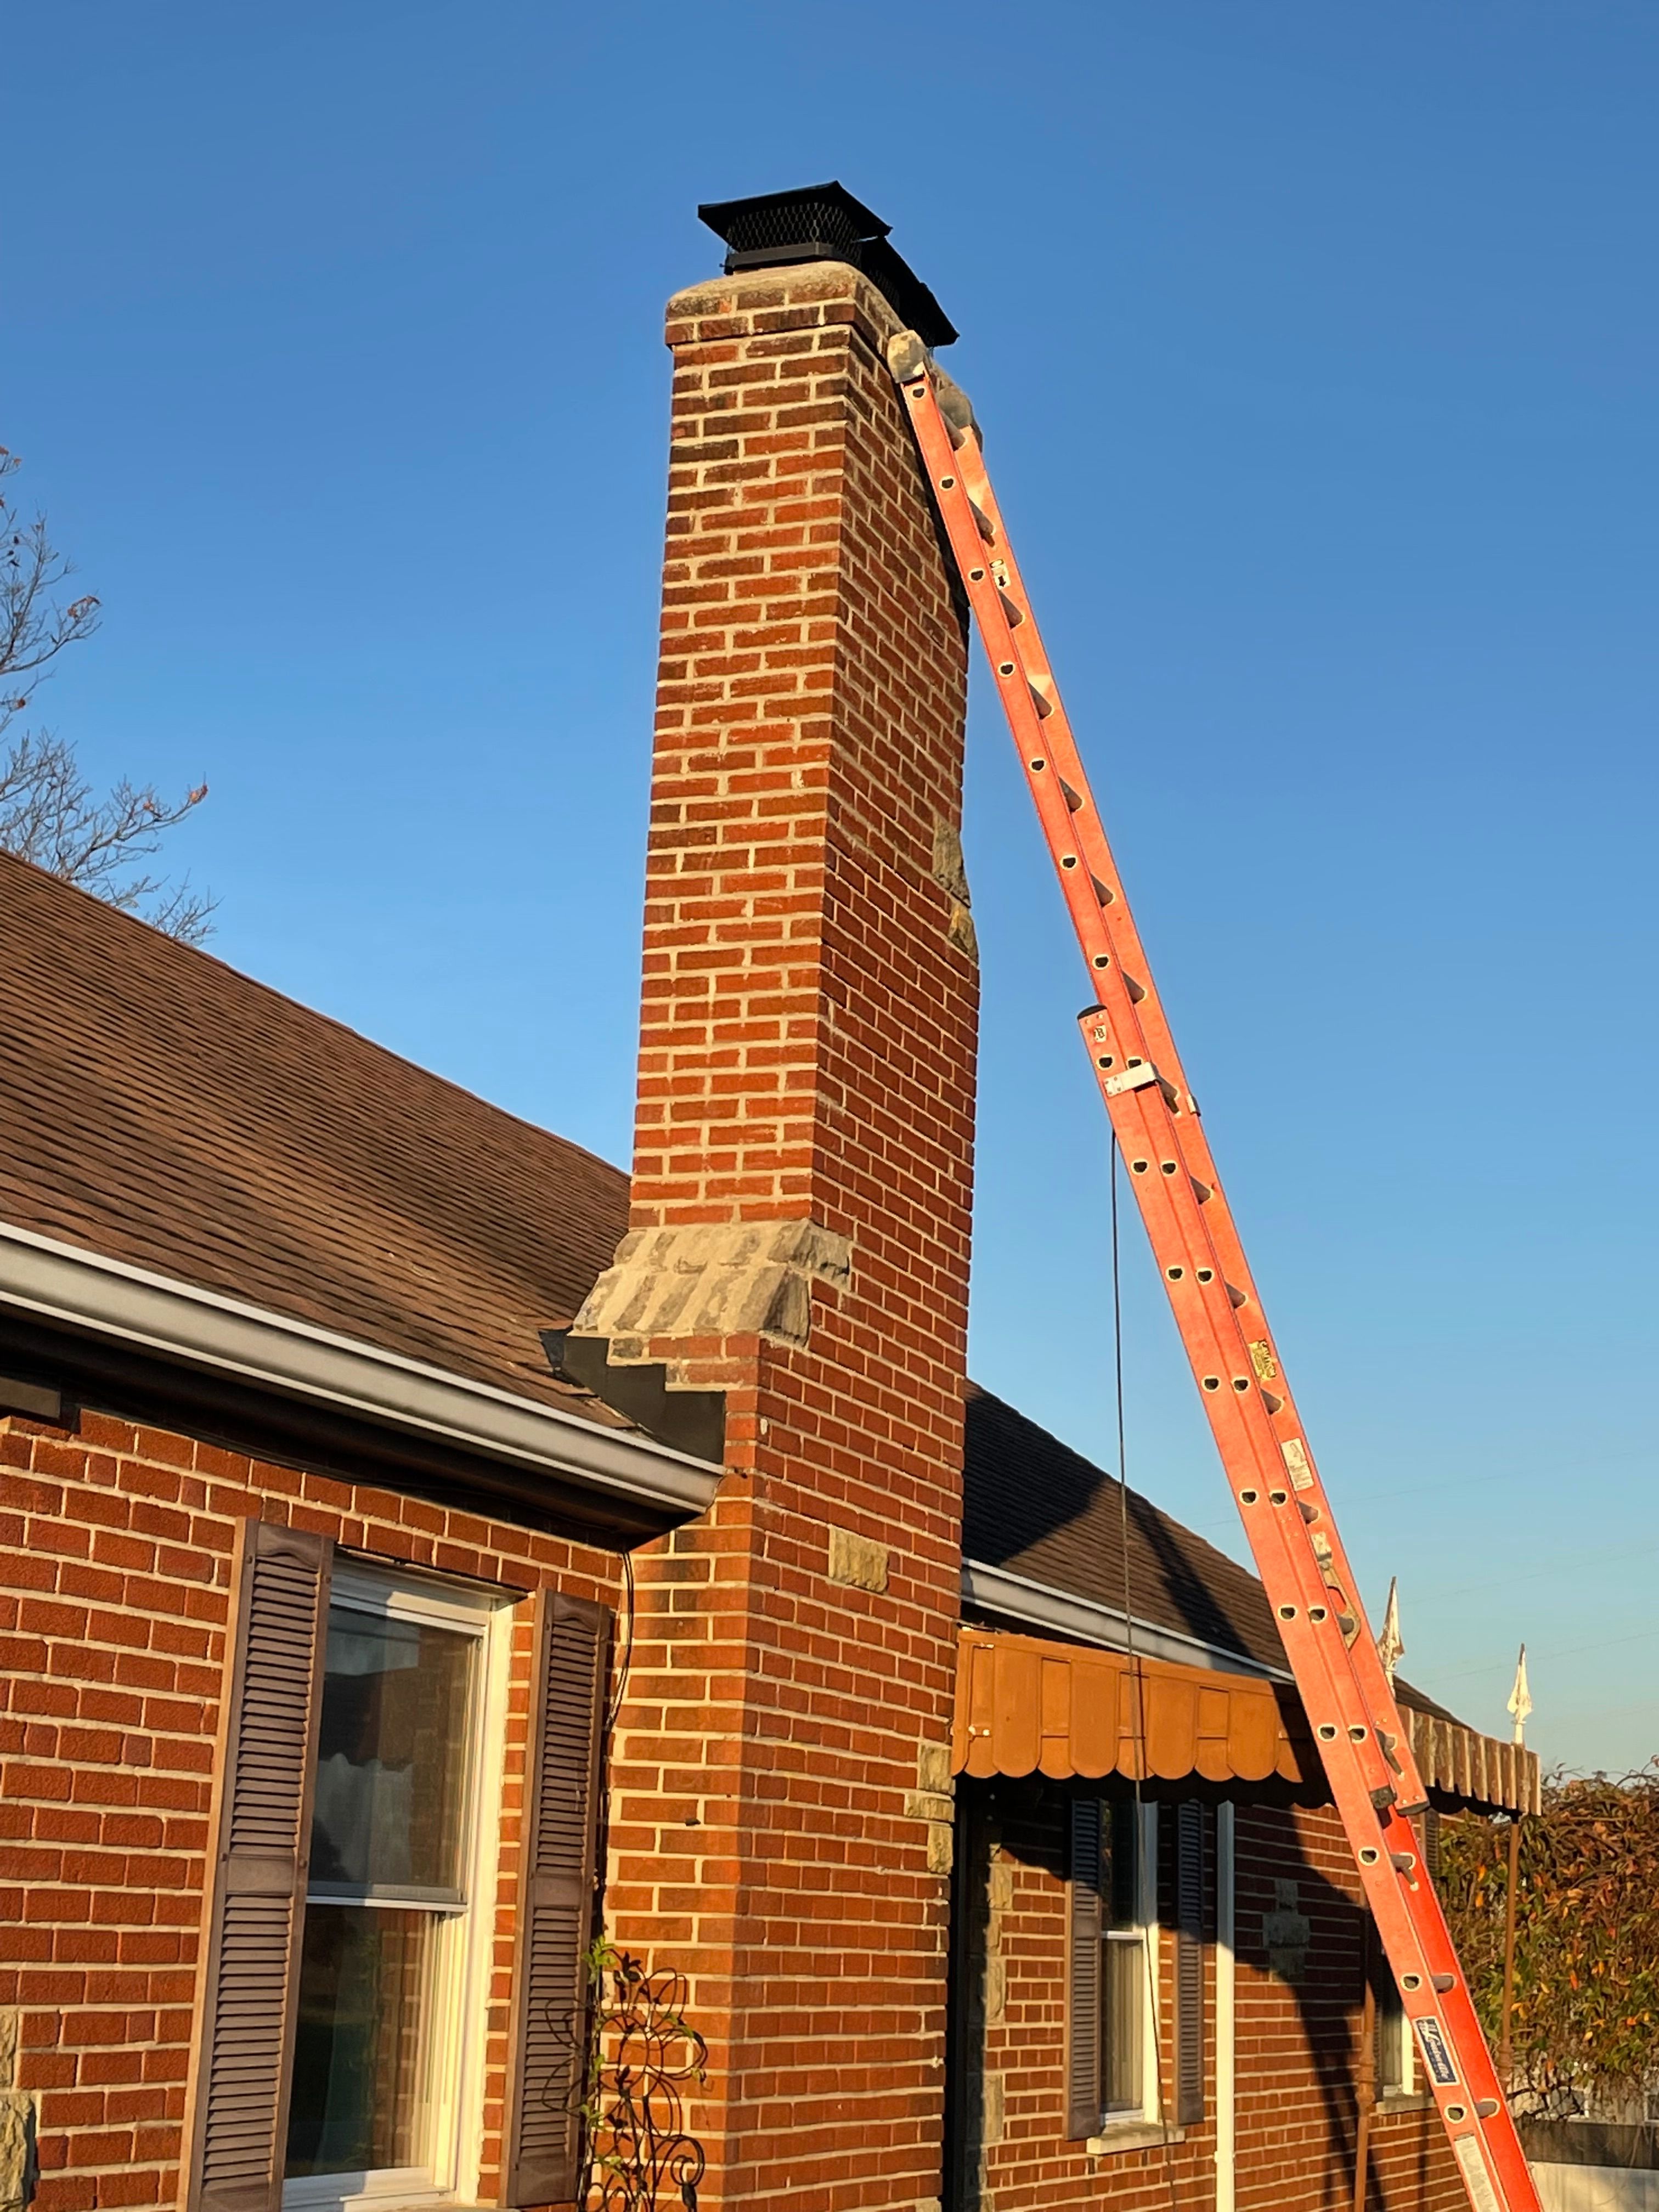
(780, 1808)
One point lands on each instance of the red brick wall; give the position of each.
(1299, 2048)
(115, 1549)
(1296, 2045)
(807, 1054)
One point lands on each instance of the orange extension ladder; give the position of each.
(1252, 1414)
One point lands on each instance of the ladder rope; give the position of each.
(1304, 1572)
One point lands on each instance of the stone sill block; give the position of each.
(1132, 2135)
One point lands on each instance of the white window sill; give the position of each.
(417, 2198)
(1132, 2135)
(1404, 2100)
(393, 2189)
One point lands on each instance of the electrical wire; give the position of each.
(620, 1671)
(1149, 1946)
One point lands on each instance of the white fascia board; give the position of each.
(1039, 1605)
(83, 1291)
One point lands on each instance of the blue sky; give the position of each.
(1316, 350)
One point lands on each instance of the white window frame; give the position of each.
(468, 1939)
(1151, 2111)
(1148, 2113)
(1394, 2031)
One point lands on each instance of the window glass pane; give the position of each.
(360, 2092)
(1122, 1884)
(1123, 1962)
(391, 1756)
(1123, 1998)
(1390, 2044)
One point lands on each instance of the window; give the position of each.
(389, 1956)
(1394, 2035)
(351, 1930)
(1112, 2056)
(1126, 1988)
(1394, 2047)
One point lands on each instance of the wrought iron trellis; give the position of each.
(642, 2053)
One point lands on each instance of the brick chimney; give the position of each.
(779, 1818)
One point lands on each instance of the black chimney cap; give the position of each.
(824, 222)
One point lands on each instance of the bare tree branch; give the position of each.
(33, 628)
(48, 811)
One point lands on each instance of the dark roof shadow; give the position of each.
(1037, 1508)
(1034, 1506)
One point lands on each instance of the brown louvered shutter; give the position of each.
(1084, 1935)
(555, 1898)
(250, 1978)
(1190, 1965)
(1430, 1830)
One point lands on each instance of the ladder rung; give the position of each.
(1015, 613)
(1073, 799)
(1040, 700)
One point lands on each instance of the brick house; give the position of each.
(412, 1524)
(1160, 1957)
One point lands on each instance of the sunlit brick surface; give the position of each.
(115, 1553)
(807, 1052)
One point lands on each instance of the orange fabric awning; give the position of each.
(1026, 1706)
(1481, 1769)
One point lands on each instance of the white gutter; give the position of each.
(994, 1589)
(83, 1291)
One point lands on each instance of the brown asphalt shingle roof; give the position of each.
(1035, 1507)
(159, 1107)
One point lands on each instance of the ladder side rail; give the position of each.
(1306, 1614)
(1291, 1571)
(967, 530)
(1144, 1112)
(1089, 830)
(1388, 1851)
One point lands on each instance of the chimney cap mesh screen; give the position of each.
(824, 222)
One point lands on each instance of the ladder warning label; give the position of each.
(1436, 2056)
(1475, 2176)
